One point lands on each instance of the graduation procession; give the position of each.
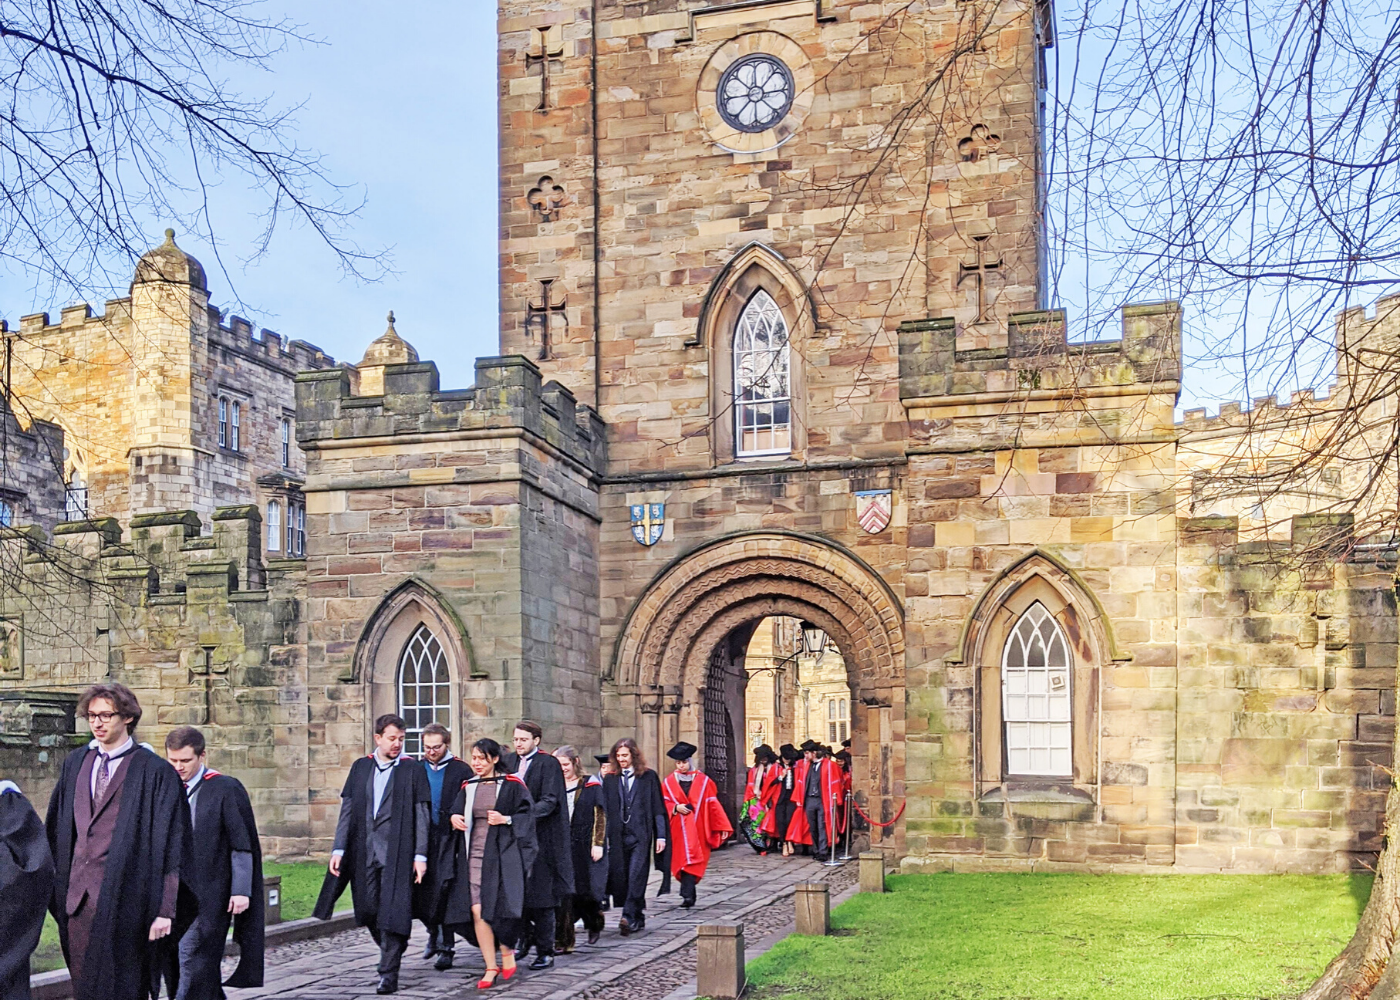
(150, 866)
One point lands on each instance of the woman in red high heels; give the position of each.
(487, 896)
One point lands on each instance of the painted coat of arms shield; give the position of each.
(648, 522)
(873, 508)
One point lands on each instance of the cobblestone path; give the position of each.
(740, 885)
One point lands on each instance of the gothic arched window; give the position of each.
(425, 688)
(762, 380)
(1036, 705)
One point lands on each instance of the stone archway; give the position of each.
(662, 655)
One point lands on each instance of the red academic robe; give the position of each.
(798, 831)
(832, 784)
(770, 789)
(695, 834)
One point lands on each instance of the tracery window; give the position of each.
(1036, 706)
(762, 380)
(425, 688)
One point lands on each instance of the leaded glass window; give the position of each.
(762, 380)
(425, 688)
(755, 93)
(1035, 696)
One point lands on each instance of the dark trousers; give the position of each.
(816, 819)
(688, 884)
(199, 959)
(391, 945)
(440, 937)
(539, 928)
(79, 933)
(636, 855)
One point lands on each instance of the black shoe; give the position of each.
(593, 936)
(444, 961)
(639, 925)
(388, 984)
(542, 962)
(429, 950)
(687, 904)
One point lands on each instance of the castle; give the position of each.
(774, 347)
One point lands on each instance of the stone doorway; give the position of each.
(677, 670)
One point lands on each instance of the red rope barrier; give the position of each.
(876, 822)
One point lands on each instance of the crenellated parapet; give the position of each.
(1038, 356)
(162, 556)
(508, 396)
(272, 348)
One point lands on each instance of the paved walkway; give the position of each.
(739, 883)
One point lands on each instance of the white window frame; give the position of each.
(75, 500)
(7, 513)
(223, 422)
(286, 444)
(1037, 703)
(274, 526)
(296, 530)
(423, 649)
(235, 426)
(762, 379)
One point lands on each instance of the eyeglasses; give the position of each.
(101, 718)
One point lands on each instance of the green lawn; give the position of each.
(1072, 937)
(301, 883)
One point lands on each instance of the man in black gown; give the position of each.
(225, 876)
(26, 879)
(552, 877)
(381, 845)
(119, 831)
(636, 830)
(445, 774)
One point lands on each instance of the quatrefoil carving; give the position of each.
(547, 198)
(977, 145)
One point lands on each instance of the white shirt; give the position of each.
(119, 756)
(192, 790)
(381, 778)
(569, 796)
(525, 763)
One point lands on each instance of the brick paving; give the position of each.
(648, 966)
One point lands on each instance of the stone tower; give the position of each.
(888, 171)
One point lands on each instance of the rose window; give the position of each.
(755, 93)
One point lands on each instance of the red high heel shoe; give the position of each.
(486, 984)
(507, 973)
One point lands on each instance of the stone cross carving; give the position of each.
(978, 271)
(547, 199)
(542, 61)
(541, 314)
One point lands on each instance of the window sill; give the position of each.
(1041, 800)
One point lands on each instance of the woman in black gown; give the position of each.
(785, 807)
(588, 835)
(491, 861)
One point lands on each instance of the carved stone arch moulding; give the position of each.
(686, 596)
(387, 632)
(781, 50)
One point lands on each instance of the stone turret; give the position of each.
(388, 349)
(168, 263)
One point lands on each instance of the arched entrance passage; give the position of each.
(702, 608)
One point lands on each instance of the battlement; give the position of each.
(1302, 405)
(1038, 356)
(1367, 340)
(508, 394)
(162, 558)
(238, 335)
(1314, 533)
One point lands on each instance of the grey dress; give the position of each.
(484, 803)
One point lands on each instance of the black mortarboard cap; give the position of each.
(682, 751)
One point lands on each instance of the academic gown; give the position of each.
(695, 834)
(511, 850)
(646, 805)
(766, 795)
(151, 841)
(430, 896)
(406, 790)
(798, 831)
(223, 824)
(26, 880)
(553, 875)
(590, 877)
